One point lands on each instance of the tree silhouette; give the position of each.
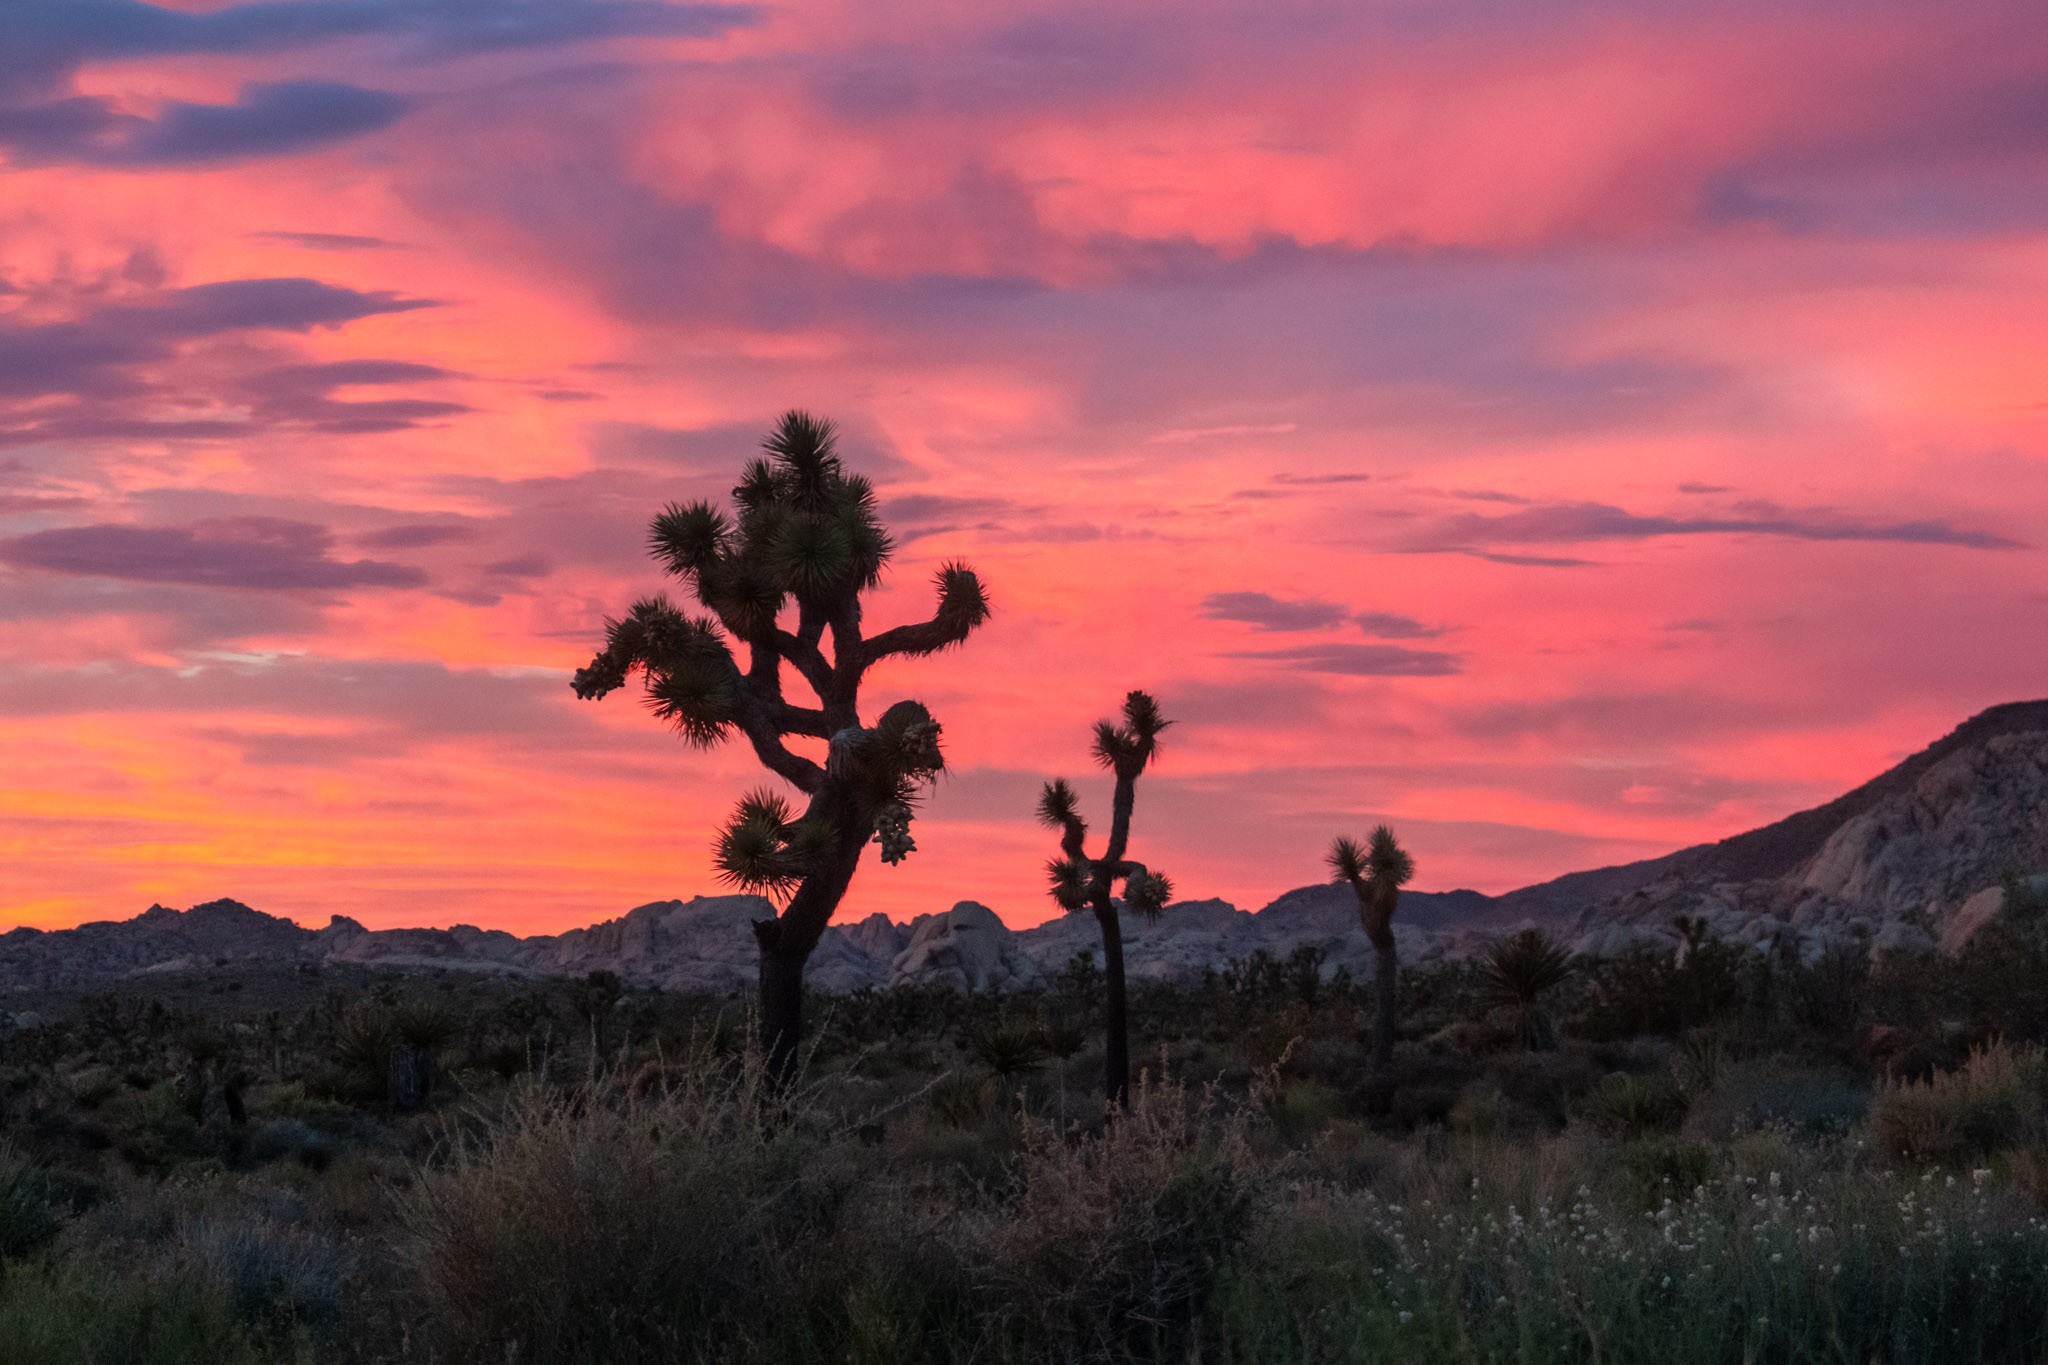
(1376, 873)
(805, 537)
(1079, 881)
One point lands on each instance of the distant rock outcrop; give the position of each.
(1909, 860)
(967, 948)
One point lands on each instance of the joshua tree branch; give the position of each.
(800, 772)
(804, 655)
(963, 605)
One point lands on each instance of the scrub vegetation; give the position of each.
(1719, 1156)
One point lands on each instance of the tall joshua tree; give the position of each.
(1079, 881)
(779, 576)
(1376, 873)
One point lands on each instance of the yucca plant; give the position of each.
(1080, 882)
(1517, 972)
(1009, 1048)
(1376, 873)
(779, 576)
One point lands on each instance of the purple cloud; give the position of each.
(1299, 480)
(1578, 522)
(284, 304)
(327, 241)
(1268, 612)
(1386, 625)
(266, 120)
(236, 552)
(298, 395)
(414, 537)
(112, 363)
(43, 41)
(1359, 661)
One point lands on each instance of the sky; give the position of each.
(1564, 431)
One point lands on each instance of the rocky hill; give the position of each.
(1911, 858)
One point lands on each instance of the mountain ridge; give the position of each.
(1900, 861)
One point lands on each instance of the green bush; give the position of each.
(1993, 1100)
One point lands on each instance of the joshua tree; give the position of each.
(1517, 973)
(806, 538)
(1376, 873)
(1079, 881)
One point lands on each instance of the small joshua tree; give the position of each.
(1376, 873)
(1079, 881)
(805, 538)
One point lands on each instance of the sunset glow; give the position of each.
(1565, 432)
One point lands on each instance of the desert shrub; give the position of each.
(1631, 1106)
(960, 1101)
(1300, 1109)
(289, 1138)
(1113, 1243)
(276, 1277)
(596, 1227)
(1770, 1092)
(1831, 994)
(80, 1312)
(1669, 1167)
(1993, 1100)
(28, 1218)
(1702, 1060)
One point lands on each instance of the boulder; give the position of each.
(967, 948)
(1974, 913)
(1900, 936)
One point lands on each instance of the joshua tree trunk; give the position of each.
(1384, 969)
(1116, 1054)
(782, 1004)
(787, 941)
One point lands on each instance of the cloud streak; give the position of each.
(273, 119)
(1578, 523)
(1358, 661)
(261, 553)
(1268, 612)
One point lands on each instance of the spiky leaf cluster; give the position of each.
(806, 529)
(764, 847)
(1381, 863)
(1126, 749)
(1069, 878)
(1148, 892)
